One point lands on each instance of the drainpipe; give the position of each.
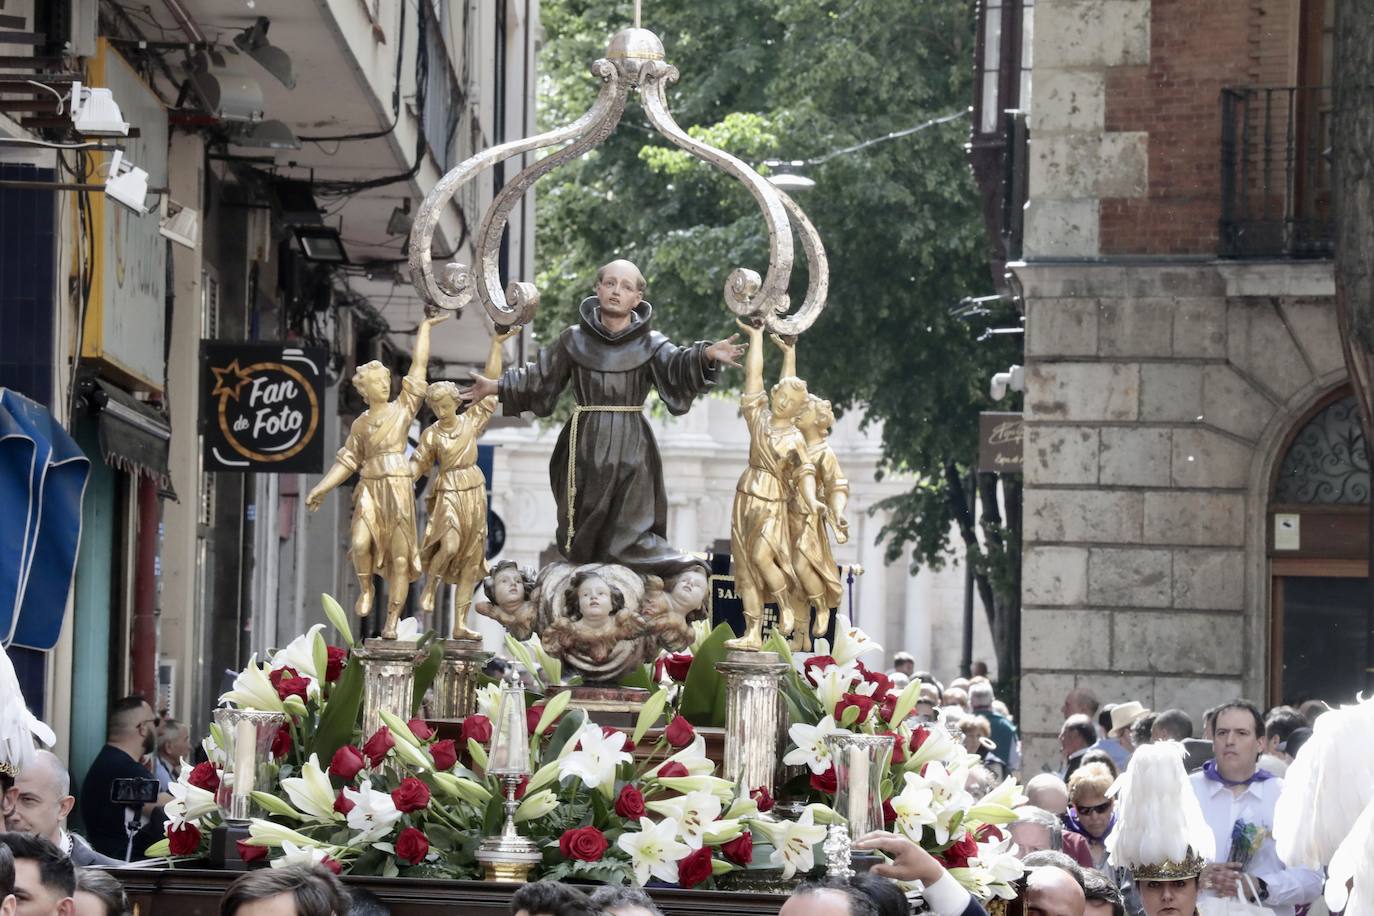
(143, 638)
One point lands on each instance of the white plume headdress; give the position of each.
(1160, 832)
(1325, 813)
(18, 727)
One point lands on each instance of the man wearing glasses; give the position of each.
(130, 735)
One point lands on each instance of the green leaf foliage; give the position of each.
(341, 713)
(425, 673)
(703, 695)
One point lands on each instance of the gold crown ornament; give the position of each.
(1168, 870)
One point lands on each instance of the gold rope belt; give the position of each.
(578, 411)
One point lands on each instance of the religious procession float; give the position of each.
(630, 743)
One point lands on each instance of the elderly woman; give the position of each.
(1091, 812)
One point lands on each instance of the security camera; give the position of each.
(1013, 379)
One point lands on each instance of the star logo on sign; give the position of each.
(229, 380)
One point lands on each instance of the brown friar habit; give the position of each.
(620, 512)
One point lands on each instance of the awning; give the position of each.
(134, 438)
(43, 477)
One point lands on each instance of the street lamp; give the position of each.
(786, 175)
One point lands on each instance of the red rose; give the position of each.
(332, 865)
(679, 732)
(889, 813)
(763, 799)
(338, 658)
(342, 804)
(378, 745)
(898, 747)
(672, 768)
(184, 840)
(674, 664)
(293, 686)
(276, 674)
(919, 735)
(814, 666)
(250, 853)
(412, 846)
(740, 850)
(628, 747)
(824, 782)
(988, 833)
(445, 754)
(522, 787)
(882, 680)
(862, 703)
(204, 776)
(958, 854)
(281, 742)
(532, 717)
(629, 803)
(694, 869)
(476, 727)
(420, 729)
(347, 763)
(585, 843)
(410, 795)
(888, 708)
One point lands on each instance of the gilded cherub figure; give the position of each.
(812, 560)
(670, 607)
(453, 550)
(509, 592)
(382, 539)
(760, 539)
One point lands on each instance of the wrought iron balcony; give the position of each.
(1276, 172)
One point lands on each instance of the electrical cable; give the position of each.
(61, 97)
(395, 91)
(895, 135)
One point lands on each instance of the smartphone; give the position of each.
(133, 790)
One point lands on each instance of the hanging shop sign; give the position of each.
(262, 407)
(999, 442)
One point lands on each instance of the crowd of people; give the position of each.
(1076, 833)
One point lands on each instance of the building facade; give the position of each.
(1195, 487)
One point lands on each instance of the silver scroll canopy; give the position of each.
(634, 61)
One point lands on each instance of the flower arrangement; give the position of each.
(403, 802)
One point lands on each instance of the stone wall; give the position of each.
(1157, 398)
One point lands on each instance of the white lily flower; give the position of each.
(189, 803)
(474, 793)
(936, 745)
(654, 850)
(596, 758)
(407, 629)
(533, 807)
(693, 757)
(948, 795)
(834, 682)
(722, 789)
(744, 806)
(793, 843)
(299, 655)
(372, 815)
(270, 833)
(311, 792)
(693, 813)
(213, 752)
(253, 690)
(722, 831)
(997, 806)
(991, 872)
(811, 749)
(850, 642)
(488, 699)
(915, 807)
(299, 855)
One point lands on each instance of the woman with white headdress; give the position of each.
(1160, 833)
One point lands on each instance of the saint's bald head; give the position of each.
(621, 267)
(620, 290)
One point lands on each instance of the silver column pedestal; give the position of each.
(755, 717)
(388, 680)
(455, 687)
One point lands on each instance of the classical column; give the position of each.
(755, 719)
(388, 680)
(455, 688)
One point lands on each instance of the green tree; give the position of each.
(802, 79)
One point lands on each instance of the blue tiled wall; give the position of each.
(27, 264)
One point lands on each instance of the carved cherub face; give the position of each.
(594, 600)
(818, 416)
(373, 382)
(788, 398)
(689, 590)
(619, 288)
(443, 406)
(509, 586)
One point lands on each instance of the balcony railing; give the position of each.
(1276, 172)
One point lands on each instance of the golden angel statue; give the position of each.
(760, 539)
(454, 547)
(812, 561)
(382, 539)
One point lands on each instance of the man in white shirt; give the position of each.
(1231, 789)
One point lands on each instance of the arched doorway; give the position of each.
(1318, 545)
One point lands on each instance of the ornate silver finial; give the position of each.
(837, 853)
(634, 60)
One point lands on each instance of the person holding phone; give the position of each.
(110, 802)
